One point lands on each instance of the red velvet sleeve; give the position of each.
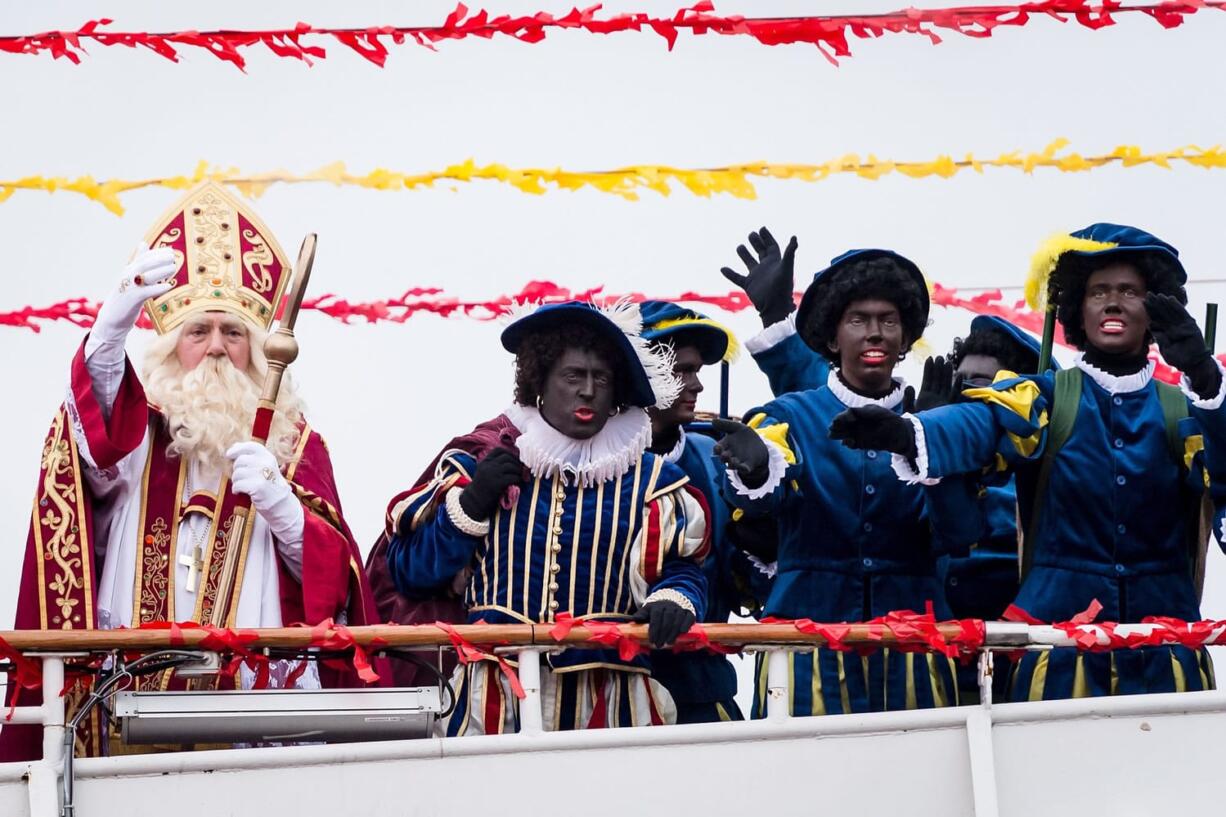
(332, 578)
(109, 440)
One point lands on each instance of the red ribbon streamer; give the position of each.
(1167, 631)
(830, 34)
(81, 311)
(328, 635)
(468, 652)
(917, 632)
(220, 640)
(26, 673)
(606, 633)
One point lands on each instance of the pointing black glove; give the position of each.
(770, 280)
(939, 387)
(665, 621)
(875, 428)
(1181, 343)
(742, 450)
(499, 470)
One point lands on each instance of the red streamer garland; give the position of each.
(81, 311)
(1105, 636)
(828, 33)
(468, 653)
(918, 632)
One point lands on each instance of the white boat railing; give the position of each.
(526, 643)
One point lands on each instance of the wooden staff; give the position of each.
(281, 349)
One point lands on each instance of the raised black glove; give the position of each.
(1181, 343)
(940, 386)
(665, 621)
(770, 280)
(742, 450)
(500, 469)
(875, 428)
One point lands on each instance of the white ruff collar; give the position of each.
(852, 400)
(1112, 384)
(611, 453)
(678, 449)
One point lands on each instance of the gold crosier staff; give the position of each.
(281, 349)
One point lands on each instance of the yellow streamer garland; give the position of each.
(733, 180)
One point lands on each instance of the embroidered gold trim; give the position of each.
(60, 513)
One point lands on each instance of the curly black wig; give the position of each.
(1067, 285)
(991, 342)
(874, 278)
(539, 352)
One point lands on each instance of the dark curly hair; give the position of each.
(1067, 285)
(539, 352)
(873, 278)
(992, 342)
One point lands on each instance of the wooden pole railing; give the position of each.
(426, 635)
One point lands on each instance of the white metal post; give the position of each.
(43, 789)
(979, 743)
(53, 710)
(987, 669)
(530, 678)
(777, 685)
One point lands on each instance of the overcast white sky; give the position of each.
(387, 396)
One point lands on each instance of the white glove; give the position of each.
(143, 278)
(257, 475)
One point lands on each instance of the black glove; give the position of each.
(756, 535)
(665, 621)
(940, 386)
(742, 450)
(875, 428)
(1181, 343)
(770, 280)
(500, 469)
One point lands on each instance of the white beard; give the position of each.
(211, 407)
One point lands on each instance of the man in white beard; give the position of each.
(138, 484)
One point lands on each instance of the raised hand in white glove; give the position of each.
(145, 277)
(257, 475)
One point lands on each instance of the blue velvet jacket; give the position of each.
(854, 542)
(598, 552)
(1114, 525)
(981, 584)
(704, 677)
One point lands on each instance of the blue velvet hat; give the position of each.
(838, 265)
(1095, 241)
(664, 319)
(992, 323)
(649, 372)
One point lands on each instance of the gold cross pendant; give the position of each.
(194, 564)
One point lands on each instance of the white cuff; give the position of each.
(772, 335)
(767, 570)
(286, 520)
(105, 360)
(778, 466)
(675, 596)
(462, 521)
(902, 468)
(1211, 403)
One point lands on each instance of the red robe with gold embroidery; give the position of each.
(66, 550)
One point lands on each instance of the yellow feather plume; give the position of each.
(1044, 261)
(734, 346)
